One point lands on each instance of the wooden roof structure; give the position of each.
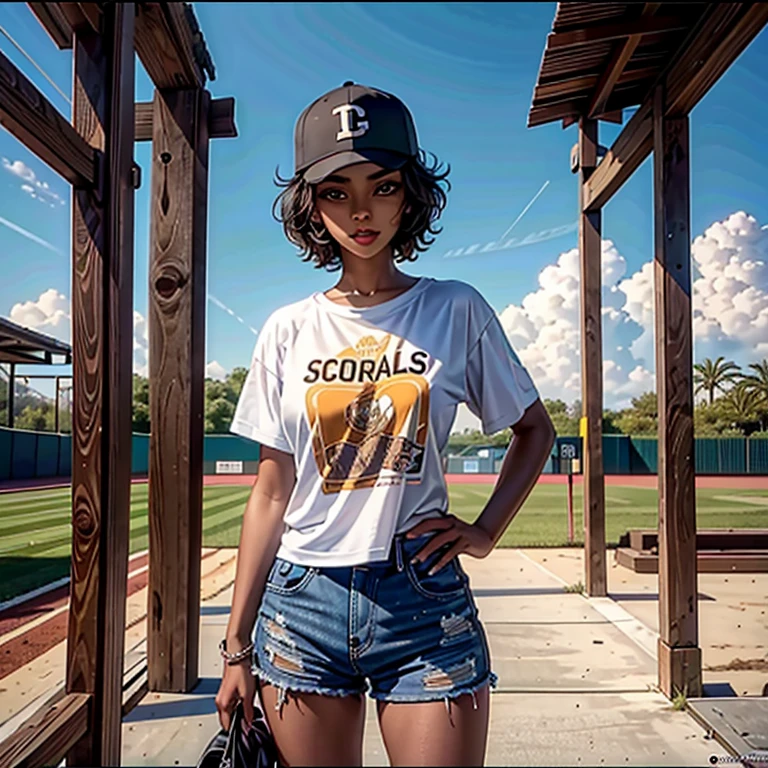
(94, 152)
(602, 58)
(23, 346)
(662, 58)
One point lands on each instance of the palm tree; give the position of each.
(741, 406)
(710, 376)
(757, 385)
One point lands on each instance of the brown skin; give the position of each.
(364, 196)
(324, 730)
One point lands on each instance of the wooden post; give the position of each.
(56, 412)
(678, 652)
(591, 369)
(102, 333)
(11, 394)
(177, 294)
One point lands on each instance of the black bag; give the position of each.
(239, 749)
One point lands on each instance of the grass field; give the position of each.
(35, 532)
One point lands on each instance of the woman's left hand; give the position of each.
(463, 538)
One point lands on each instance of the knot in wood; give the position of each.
(165, 157)
(166, 285)
(84, 521)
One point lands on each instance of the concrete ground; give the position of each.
(733, 618)
(576, 683)
(577, 675)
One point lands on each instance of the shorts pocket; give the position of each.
(448, 583)
(286, 578)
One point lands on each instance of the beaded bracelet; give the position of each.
(234, 658)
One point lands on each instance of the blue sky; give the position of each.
(467, 72)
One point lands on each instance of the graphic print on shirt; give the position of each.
(368, 413)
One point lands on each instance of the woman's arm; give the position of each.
(533, 438)
(259, 541)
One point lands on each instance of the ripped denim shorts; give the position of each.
(388, 628)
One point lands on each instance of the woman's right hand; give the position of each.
(237, 684)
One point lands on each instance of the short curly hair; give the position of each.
(423, 195)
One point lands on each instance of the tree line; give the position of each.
(736, 405)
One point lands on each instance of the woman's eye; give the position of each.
(332, 194)
(388, 188)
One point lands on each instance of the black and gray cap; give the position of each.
(353, 124)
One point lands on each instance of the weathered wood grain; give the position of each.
(613, 72)
(598, 33)
(102, 322)
(592, 370)
(622, 159)
(177, 346)
(54, 22)
(221, 119)
(723, 32)
(165, 46)
(678, 607)
(48, 734)
(26, 114)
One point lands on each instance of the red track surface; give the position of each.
(34, 642)
(756, 482)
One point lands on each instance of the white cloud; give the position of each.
(214, 370)
(730, 315)
(51, 314)
(36, 189)
(545, 331)
(140, 344)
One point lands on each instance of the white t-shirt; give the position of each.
(364, 400)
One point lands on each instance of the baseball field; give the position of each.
(35, 530)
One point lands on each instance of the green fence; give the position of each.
(27, 455)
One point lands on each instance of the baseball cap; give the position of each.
(353, 124)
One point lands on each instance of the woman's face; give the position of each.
(361, 206)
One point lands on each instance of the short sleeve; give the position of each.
(499, 389)
(258, 415)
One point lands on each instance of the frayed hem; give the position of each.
(288, 686)
(490, 681)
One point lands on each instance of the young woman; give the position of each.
(348, 562)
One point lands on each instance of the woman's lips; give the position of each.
(365, 238)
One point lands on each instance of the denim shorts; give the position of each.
(387, 628)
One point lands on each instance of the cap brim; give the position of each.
(324, 168)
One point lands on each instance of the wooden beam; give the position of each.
(724, 30)
(623, 158)
(177, 302)
(592, 371)
(614, 70)
(49, 734)
(679, 656)
(606, 32)
(82, 16)
(165, 45)
(221, 119)
(712, 53)
(26, 114)
(102, 332)
(617, 116)
(562, 89)
(11, 394)
(54, 22)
